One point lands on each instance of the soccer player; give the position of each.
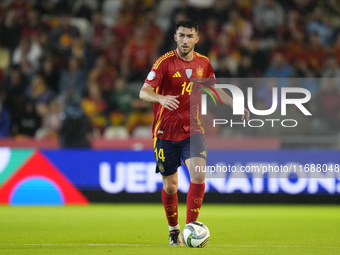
(168, 86)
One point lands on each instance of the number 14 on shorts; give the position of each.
(160, 154)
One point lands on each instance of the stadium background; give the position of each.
(70, 73)
(74, 132)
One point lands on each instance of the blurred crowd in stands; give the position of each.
(83, 62)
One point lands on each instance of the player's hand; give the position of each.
(169, 102)
(246, 115)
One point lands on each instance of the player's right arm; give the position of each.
(148, 94)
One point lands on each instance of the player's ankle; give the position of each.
(174, 227)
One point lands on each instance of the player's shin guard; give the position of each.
(170, 203)
(194, 201)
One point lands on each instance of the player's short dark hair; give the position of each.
(188, 23)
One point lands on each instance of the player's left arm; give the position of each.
(226, 99)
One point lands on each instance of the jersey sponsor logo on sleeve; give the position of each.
(177, 74)
(151, 76)
(188, 73)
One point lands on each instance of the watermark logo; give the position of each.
(204, 97)
(239, 104)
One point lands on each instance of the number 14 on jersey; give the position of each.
(186, 88)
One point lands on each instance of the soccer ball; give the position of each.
(196, 235)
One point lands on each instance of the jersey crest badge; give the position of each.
(188, 72)
(161, 167)
(199, 73)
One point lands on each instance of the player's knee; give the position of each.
(170, 188)
(198, 180)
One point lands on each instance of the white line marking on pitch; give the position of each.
(128, 244)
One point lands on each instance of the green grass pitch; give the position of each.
(142, 229)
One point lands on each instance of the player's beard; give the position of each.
(190, 49)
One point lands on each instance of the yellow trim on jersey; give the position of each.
(154, 142)
(200, 55)
(177, 74)
(156, 127)
(198, 120)
(160, 60)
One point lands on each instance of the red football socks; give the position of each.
(170, 203)
(194, 201)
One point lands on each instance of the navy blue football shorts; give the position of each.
(168, 154)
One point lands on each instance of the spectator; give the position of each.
(98, 33)
(112, 51)
(28, 55)
(203, 46)
(212, 30)
(29, 121)
(245, 69)
(15, 85)
(238, 28)
(293, 25)
(75, 131)
(126, 109)
(138, 56)
(222, 70)
(38, 90)
(279, 67)
(5, 122)
(21, 8)
(10, 31)
(33, 26)
(315, 54)
(95, 107)
(72, 81)
(51, 7)
(258, 56)
(44, 43)
(224, 48)
(220, 10)
(103, 74)
(320, 25)
(50, 73)
(122, 28)
(51, 119)
(294, 51)
(332, 8)
(152, 30)
(61, 36)
(84, 8)
(304, 7)
(331, 69)
(82, 51)
(335, 51)
(268, 16)
(5, 59)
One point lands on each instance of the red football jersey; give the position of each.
(170, 75)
